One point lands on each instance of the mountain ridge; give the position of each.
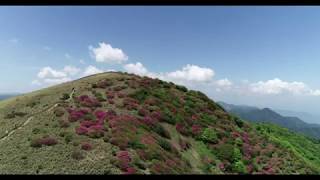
(269, 115)
(120, 123)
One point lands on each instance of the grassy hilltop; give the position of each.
(118, 123)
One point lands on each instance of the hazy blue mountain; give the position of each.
(6, 96)
(255, 114)
(307, 117)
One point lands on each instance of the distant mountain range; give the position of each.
(255, 114)
(6, 96)
(307, 117)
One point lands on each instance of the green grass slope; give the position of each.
(119, 123)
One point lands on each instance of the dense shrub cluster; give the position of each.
(47, 141)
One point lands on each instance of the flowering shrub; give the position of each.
(149, 121)
(182, 129)
(104, 84)
(75, 115)
(130, 103)
(221, 166)
(148, 140)
(196, 129)
(130, 170)
(143, 112)
(86, 146)
(87, 101)
(100, 114)
(123, 160)
(96, 131)
(81, 130)
(87, 124)
(48, 141)
(156, 115)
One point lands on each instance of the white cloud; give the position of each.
(224, 83)
(50, 76)
(315, 92)
(277, 86)
(48, 72)
(136, 68)
(90, 70)
(56, 81)
(71, 70)
(192, 73)
(106, 53)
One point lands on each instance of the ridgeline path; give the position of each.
(30, 117)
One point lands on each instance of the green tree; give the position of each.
(209, 136)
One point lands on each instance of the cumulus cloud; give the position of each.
(50, 76)
(224, 83)
(188, 73)
(192, 73)
(56, 81)
(90, 70)
(107, 54)
(71, 70)
(277, 86)
(136, 68)
(48, 72)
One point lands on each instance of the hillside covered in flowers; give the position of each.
(119, 123)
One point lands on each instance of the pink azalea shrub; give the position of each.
(194, 117)
(48, 141)
(105, 83)
(75, 115)
(221, 166)
(81, 130)
(100, 114)
(149, 121)
(148, 140)
(130, 170)
(87, 124)
(143, 112)
(196, 129)
(86, 146)
(156, 115)
(130, 103)
(124, 160)
(87, 101)
(96, 131)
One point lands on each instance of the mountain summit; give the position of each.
(119, 123)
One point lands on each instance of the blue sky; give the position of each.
(230, 49)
